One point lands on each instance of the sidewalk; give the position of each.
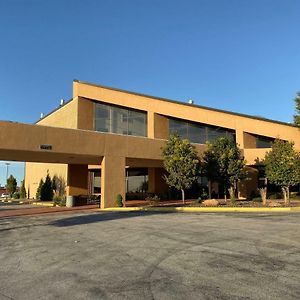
(43, 210)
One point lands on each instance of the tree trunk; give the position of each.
(286, 195)
(232, 193)
(225, 192)
(182, 192)
(209, 189)
(263, 195)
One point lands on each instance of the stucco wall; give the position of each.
(34, 172)
(65, 116)
(193, 113)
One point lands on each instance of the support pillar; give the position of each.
(156, 181)
(77, 182)
(151, 180)
(112, 180)
(239, 136)
(158, 126)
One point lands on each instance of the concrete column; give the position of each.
(112, 180)
(239, 136)
(156, 182)
(158, 126)
(77, 182)
(250, 184)
(150, 124)
(151, 180)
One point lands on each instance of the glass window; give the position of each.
(119, 120)
(197, 132)
(137, 123)
(94, 181)
(136, 180)
(102, 118)
(263, 142)
(114, 119)
(179, 127)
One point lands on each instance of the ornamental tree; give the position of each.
(11, 185)
(224, 163)
(297, 116)
(38, 191)
(47, 189)
(181, 162)
(23, 193)
(283, 166)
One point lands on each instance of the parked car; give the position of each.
(3, 195)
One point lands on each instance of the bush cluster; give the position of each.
(119, 200)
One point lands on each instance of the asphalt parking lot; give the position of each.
(142, 255)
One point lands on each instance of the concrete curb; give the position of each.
(203, 209)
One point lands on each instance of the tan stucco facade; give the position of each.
(75, 145)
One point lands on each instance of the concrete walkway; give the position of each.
(28, 211)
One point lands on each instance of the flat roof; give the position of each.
(186, 104)
(54, 110)
(170, 101)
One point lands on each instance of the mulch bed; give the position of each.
(222, 203)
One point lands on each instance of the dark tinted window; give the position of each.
(198, 133)
(114, 119)
(263, 142)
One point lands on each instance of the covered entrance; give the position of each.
(74, 150)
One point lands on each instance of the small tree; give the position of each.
(23, 190)
(119, 200)
(11, 185)
(39, 189)
(283, 167)
(59, 185)
(297, 116)
(181, 162)
(47, 189)
(224, 163)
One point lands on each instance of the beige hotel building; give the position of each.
(108, 141)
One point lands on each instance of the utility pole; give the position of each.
(7, 165)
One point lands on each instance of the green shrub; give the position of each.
(38, 191)
(23, 193)
(16, 195)
(59, 200)
(119, 200)
(203, 195)
(11, 185)
(47, 189)
(233, 200)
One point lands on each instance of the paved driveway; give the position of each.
(150, 256)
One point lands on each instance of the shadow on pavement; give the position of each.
(99, 217)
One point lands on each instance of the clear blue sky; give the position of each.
(237, 55)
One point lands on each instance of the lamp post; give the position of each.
(7, 165)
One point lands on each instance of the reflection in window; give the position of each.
(94, 181)
(137, 180)
(114, 119)
(264, 142)
(198, 133)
